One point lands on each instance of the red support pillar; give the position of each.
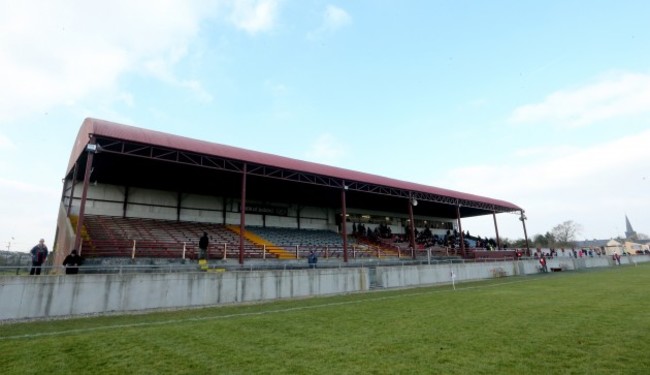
(74, 183)
(91, 148)
(125, 204)
(460, 229)
(242, 216)
(412, 202)
(496, 229)
(344, 221)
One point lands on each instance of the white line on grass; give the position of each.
(256, 313)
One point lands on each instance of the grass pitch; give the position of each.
(595, 322)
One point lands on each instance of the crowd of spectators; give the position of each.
(423, 238)
(572, 253)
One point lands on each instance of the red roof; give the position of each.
(108, 129)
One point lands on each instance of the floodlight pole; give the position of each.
(344, 223)
(91, 148)
(242, 216)
(496, 229)
(523, 222)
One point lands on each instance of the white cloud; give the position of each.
(614, 96)
(594, 186)
(254, 16)
(58, 52)
(6, 143)
(277, 90)
(28, 213)
(327, 149)
(536, 151)
(334, 18)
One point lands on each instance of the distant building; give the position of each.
(630, 234)
(631, 244)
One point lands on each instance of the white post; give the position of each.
(297, 255)
(81, 245)
(225, 250)
(429, 255)
(264, 251)
(184, 243)
(133, 252)
(354, 252)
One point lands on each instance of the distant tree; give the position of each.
(565, 233)
(540, 240)
(550, 239)
(520, 243)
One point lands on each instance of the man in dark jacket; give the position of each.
(72, 263)
(203, 246)
(39, 254)
(312, 259)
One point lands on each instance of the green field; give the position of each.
(595, 322)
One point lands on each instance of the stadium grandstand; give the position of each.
(136, 193)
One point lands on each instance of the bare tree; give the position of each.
(565, 233)
(544, 240)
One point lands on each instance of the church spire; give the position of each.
(629, 232)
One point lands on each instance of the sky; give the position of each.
(545, 104)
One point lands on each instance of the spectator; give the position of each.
(72, 263)
(542, 263)
(312, 259)
(39, 254)
(203, 246)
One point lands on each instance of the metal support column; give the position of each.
(523, 222)
(74, 183)
(242, 216)
(412, 202)
(125, 204)
(460, 229)
(496, 230)
(91, 148)
(344, 222)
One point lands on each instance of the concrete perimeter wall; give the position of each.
(412, 276)
(24, 297)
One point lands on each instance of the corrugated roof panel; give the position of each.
(108, 129)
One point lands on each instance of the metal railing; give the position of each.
(151, 265)
(189, 250)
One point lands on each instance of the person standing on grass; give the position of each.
(72, 263)
(542, 263)
(203, 246)
(39, 254)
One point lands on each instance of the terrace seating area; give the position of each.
(492, 255)
(106, 236)
(298, 237)
(326, 244)
(111, 236)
